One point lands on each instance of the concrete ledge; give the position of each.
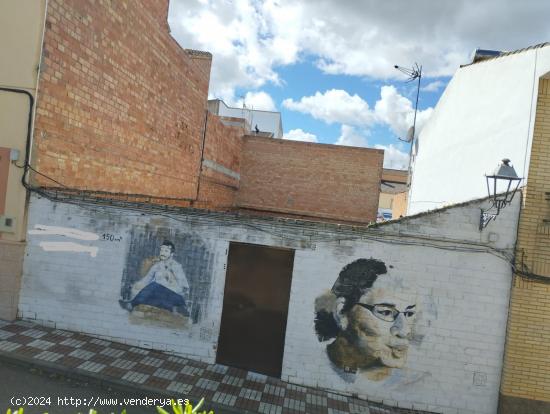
(516, 405)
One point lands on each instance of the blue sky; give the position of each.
(328, 65)
(305, 79)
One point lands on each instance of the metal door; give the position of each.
(255, 307)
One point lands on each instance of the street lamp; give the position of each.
(501, 187)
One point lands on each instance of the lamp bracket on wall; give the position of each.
(506, 175)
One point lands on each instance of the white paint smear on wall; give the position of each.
(68, 247)
(43, 230)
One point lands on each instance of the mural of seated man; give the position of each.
(165, 285)
(371, 318)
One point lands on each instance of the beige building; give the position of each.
(392, 203)
(21, 30)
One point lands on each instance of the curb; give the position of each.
(105, 381)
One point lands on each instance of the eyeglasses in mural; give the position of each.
(166, 280)
(371, 318)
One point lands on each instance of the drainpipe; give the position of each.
(29, 129)
(202, 156)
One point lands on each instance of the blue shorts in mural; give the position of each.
(154, 294)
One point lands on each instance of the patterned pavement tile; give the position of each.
(113, 372)
(135, 377)
(245, 404)
(179, 387)
(227, 386)
(273, 399)
(274, 390)
(80, 353)
(189, 370)
(123, 363)
(177, 360)
(230, 380)
(157, 382)
(49, 356)
(207, 384)
(250, 394)
(34, 333)
(335, 411)
(9, 346)
(226, 399)
(112, 352)
(253, 385)
(144, 369)
(253, 376)
(219, 369)
(228, 389)
(266, 408)
(294, 404)
(40, 344)
(139, 351)
(102, 359)
(164, 373)
(100, 342)
(6, 334)
(91, 366)
(154, 362)
(72, 342)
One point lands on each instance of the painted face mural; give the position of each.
(169, 288)
(372, 318)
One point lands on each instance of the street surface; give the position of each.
(41, 387)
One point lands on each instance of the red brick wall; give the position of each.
(121, 105)
(223, 146)
(310, 180)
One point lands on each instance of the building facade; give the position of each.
(492, 109)
(426, 298)
(98, 99)
(18, 90)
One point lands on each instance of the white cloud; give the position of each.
(394, 157)
(251, 38)
(335, 105)
(350, 137)
(397, 112)
(300, 135)
(433, 86)
(257, 100)
(338, 106)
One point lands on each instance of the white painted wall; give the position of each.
(267, 121)
(464, 293)
(486, 113)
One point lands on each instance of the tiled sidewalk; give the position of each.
(229, 389)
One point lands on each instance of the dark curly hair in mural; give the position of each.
(352, 281)
(372, 320)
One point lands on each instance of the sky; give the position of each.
(328, 65)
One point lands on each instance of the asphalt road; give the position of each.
(51, 393)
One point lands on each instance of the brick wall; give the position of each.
(221, 165)
(457, 277)
(308, 180)
(526, 379)
(121, 105)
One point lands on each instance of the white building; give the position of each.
(485, 114)
(267, 121)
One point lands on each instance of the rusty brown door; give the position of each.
(255, 307)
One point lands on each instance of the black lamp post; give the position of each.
(502, 186)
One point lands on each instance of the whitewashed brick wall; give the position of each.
(464, 292)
